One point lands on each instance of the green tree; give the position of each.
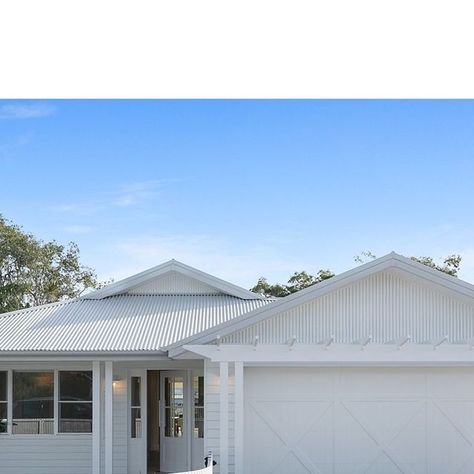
(298, 281)
(34, 272)
(451, 264)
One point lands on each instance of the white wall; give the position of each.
(46, 454)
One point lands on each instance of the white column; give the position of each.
(96, 417)
(239, 418)
(109, 380)
(224, 418)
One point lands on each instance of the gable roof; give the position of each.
(391, 261)
(163, 278)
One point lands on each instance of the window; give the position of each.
(33, 409)
(136, 407)
(75, 402)
(174, 406)
(198, 399)
(3, 402)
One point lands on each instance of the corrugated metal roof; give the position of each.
(123, 323)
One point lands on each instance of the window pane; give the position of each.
(174, 406)
(198, 391)
(33, 402)
(3, 386)
(3, 418)
(198, 396)
(75, 386)
(174, 422)
(168, 387)
(168, 423)
(199, 422)
(75, 417)
(135, 391)
(136, 422)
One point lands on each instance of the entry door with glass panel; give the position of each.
(174, 424)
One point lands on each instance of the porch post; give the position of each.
(224, 418)
(109, 380)
(96, 417)
(239, 418)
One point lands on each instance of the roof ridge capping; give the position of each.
(122, 286)
(391, 260)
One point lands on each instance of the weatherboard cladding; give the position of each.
(123, 323)
(387, 306)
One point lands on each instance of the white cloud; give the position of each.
(79, 229)
(20, 110)
(134, 193)
(126, 196)
(206, 253)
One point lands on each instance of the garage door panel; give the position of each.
(448, 446)
(318, 443)
(461, 414)
(268, 381)
(290, 463)
(302, 420)
(298, 417)
(450, 383)
(359, 427)
(264, 447)
(468, 467)
(384, 420)
(354, 447)
(377, 381)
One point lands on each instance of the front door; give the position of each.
(175, 417)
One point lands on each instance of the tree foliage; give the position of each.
(34, 272)
(451, 264)
(300, 280)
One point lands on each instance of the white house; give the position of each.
(371, 371)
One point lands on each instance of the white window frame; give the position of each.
(56, 371)
(58, 402)
(7, 402)
(134, 407)
(197, 374)
(10, 421)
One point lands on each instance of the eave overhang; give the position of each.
(338, 354)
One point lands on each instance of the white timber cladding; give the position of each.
(387, 306)
(174, 283)
(212, 433)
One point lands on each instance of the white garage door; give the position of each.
(377, 421)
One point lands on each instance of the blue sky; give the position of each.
(241, 188)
